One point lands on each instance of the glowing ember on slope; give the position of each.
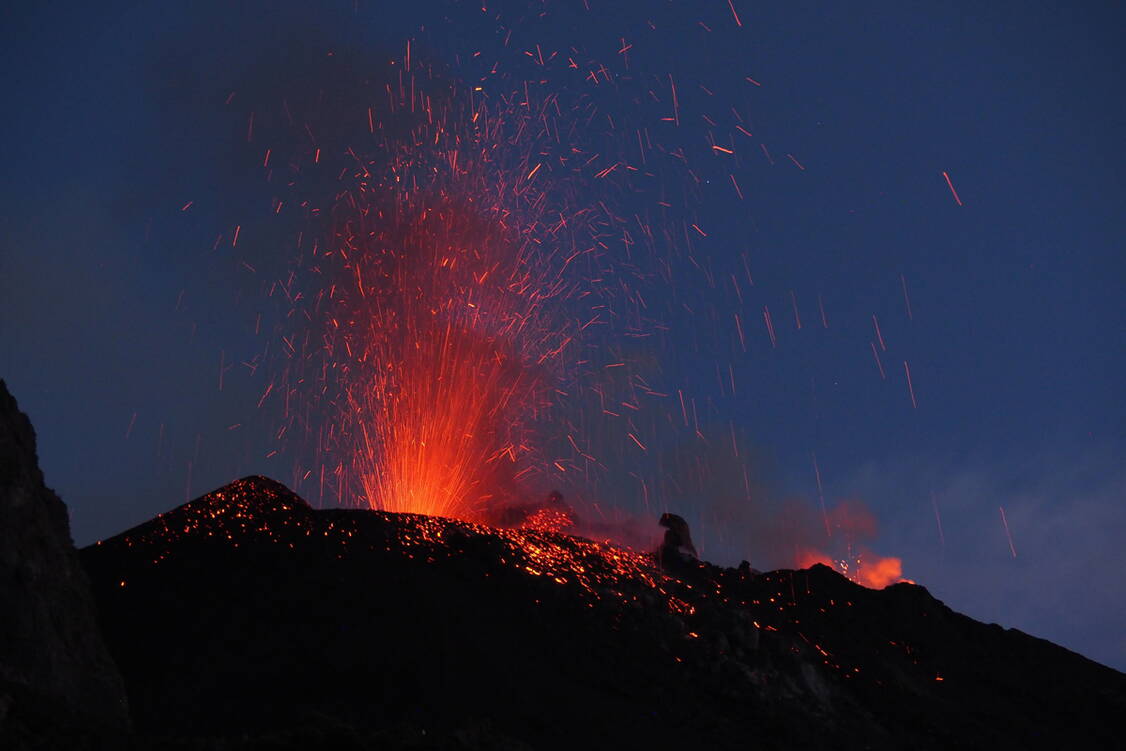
(549, 520)
(257, 510)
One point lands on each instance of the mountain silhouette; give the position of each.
(246, 614)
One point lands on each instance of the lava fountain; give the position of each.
(450, 348)
(441, 307)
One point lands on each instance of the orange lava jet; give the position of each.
(441, 320)
(448, 395)
(451, 364)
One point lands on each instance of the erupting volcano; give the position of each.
(463, 288)
(597, 373)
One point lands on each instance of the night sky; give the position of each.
(118, 311)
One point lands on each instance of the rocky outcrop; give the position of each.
(54, 667)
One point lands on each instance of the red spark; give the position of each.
(879, 364)
(769, 325)
(675, 102)
(938, 520)
(736, 184)
(731, 4)
(906, 299)
(952, 191)
(821, 494)
(1008, 536)
(910, 386)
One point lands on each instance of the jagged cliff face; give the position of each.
(54, 666)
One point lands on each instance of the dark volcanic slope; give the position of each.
(247, 612)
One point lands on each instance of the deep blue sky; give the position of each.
(112, 305)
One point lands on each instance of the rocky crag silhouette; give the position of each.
(57, 680)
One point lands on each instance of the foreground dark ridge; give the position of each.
(56, 675)
(246, 614)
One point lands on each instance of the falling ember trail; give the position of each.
(1008, 536)
(821, 494)
(880, 365)
(736, 184)
(952, 191)
(906, 299)
(938, 519)
(675, 101)
(731, 4)
(910, 386)
(769, 325)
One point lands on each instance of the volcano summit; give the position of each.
(247, 614)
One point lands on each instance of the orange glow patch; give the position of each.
(881, 573)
